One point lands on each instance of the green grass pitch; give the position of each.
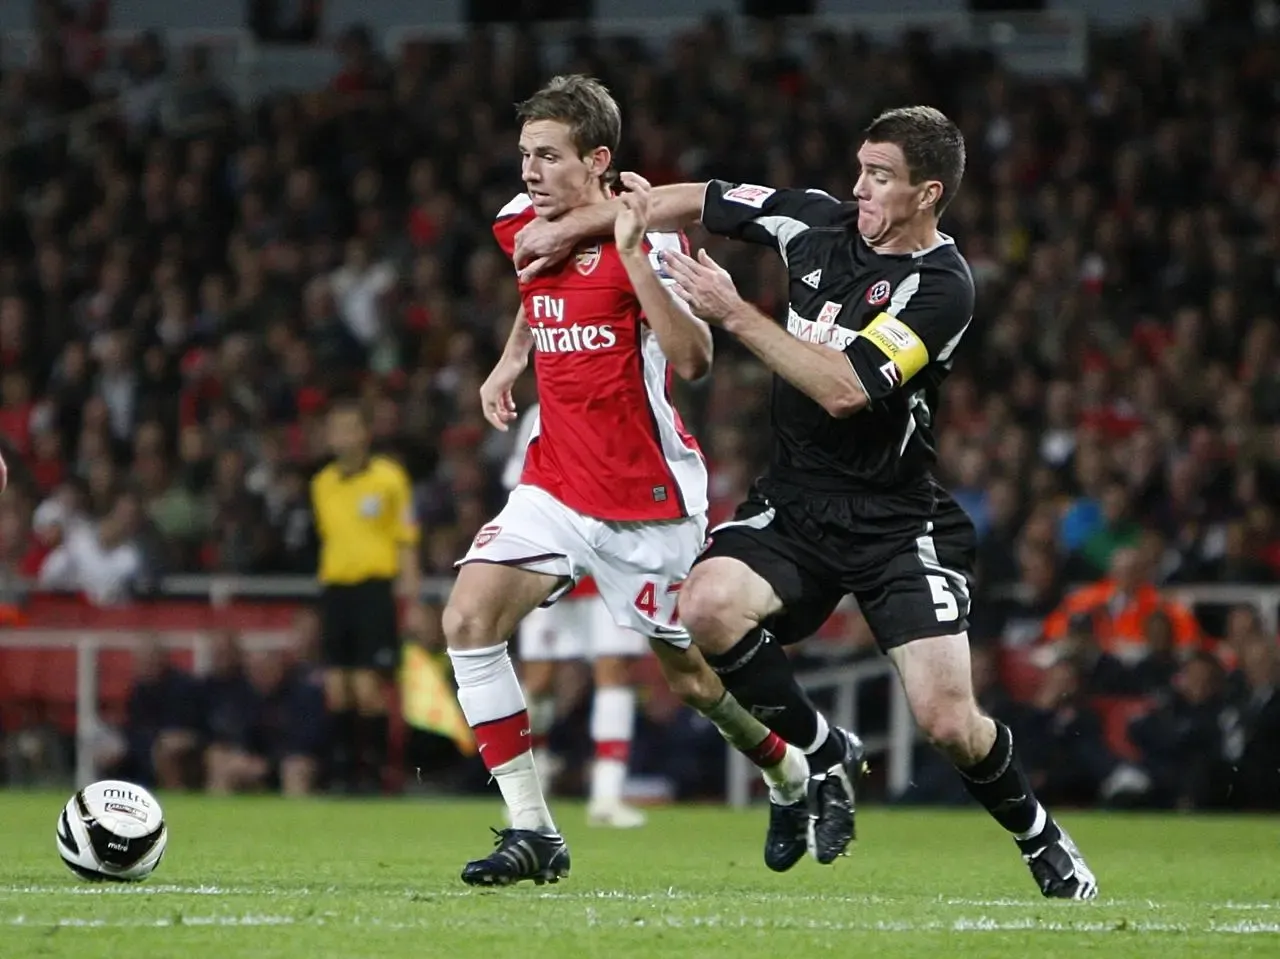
(274, 879)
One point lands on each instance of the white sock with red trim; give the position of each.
(613, 720)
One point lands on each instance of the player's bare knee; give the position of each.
(467, 626)
(711, 610)
(944, 728)
(488, 602)
(951, 725)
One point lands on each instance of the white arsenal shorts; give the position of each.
(638, 567)
(577, 627)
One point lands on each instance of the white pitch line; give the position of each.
(76, 923)
(1246, 927)
(1104, 901)
(599, 896)
(148, 889)
(1249, 905)
(116, 889)
(982, 924)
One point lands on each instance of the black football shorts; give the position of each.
(906, 556)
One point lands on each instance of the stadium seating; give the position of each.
(176, 305)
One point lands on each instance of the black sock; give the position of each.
(372, 737)
(999, 783)
(758, 673)
(343, 755)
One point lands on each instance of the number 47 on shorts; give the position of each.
(656, 602)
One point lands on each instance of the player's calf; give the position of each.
(486, 604)
(982, 750)
(783, 765)
(722, 604)
(613, 714)
(692, 679)
(758, 672)
(999, 783)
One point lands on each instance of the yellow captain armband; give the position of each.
(900, 345)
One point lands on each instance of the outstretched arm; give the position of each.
(822, 374)
(685, 340)
(546, 242)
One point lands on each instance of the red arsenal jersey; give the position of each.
(609, 443)
(511, 477)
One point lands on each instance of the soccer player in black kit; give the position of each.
(879, 301)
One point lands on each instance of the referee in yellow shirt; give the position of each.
(368, 548)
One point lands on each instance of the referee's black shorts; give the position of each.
(359, 625)
(907, 557)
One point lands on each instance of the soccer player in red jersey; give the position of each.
(613, 485)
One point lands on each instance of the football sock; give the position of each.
(613, 720)
(999, 783)
(542, 716)
(493, 704)
(371, 737)
(758, 673)
(783, 765)
(342, 770)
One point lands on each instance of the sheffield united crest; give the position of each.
(878, 294)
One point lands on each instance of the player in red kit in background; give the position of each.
(613, 486)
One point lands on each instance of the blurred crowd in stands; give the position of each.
(184, 284)
(254, 721)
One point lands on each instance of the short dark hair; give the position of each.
(582, 103)
(931, 143)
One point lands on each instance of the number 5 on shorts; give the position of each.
(944, 602)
